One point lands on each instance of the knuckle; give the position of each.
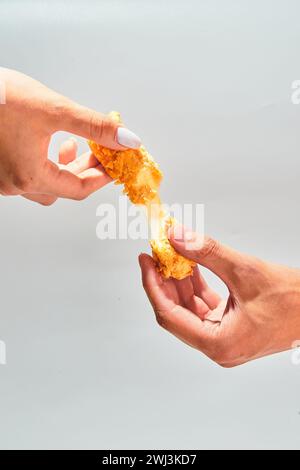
(95, 126)
(88, 187)
(231, 362)
(210, 248)
(83, 192)
(59, 107)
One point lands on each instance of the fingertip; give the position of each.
(93, 179)
(140, 258)
(127, 138)
(176, 232)
(150, 275)
(101, 170)
(67, 151)
(180, 233)
(145, 260)
(73, 144)
(184, 239)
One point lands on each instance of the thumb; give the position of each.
(95, 126)
(218, 258)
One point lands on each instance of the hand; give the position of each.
(31, 114)
(260, 317)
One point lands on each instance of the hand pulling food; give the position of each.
(141, 177)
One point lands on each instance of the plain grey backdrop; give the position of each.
(207, 85)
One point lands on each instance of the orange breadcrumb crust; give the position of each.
(170, 263)
(134, 168)
(141, 177)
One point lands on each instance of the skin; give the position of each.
(262, 313)
(260, 317)
(31, 115)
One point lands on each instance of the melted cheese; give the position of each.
(141, 177)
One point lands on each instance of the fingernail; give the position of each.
(181, 233)
(127, 138)
(176, 232)
(188, 236)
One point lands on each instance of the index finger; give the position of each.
(60, 182)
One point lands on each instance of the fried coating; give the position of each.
(170, 263)
(141, 177)
(134, 168)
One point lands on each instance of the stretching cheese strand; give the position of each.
(141, 177)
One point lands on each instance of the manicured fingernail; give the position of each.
(176, 232)
(182, 235)
(188, 236)
(127, 138)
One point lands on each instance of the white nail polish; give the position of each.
(127, 138)
(189, 236)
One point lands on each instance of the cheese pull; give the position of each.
(141, 178)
